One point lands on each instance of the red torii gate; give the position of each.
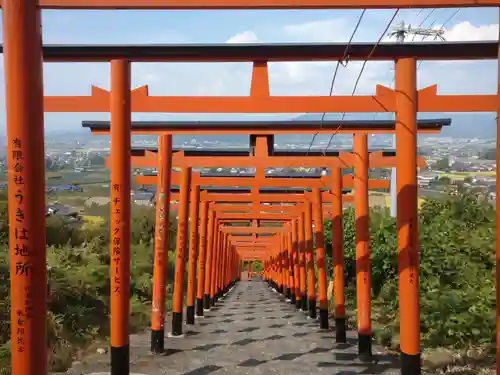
(258, 4)
(23, 76)
(262, 144)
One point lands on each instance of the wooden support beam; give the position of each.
(260, 4)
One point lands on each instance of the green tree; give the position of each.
(457, 265)
(443, 164)
(96, 160)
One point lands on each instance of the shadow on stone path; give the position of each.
(251, 331)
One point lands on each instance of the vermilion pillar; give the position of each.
(279, 264)
(362, 246)
(120, 215)
(223, 265)
(180, 252)
(227, 268)
(338, 256)
(311, 288)
(320, 258)
(209, 262)
(202, 259)
(296, 275)
(286, 269)
(289, 257)
(161, 242)
(215, 258)
(193, 251)
(25, 159)
(272, 274)
(302, 262)
(498, 222)
(218, 260)
(407, 214)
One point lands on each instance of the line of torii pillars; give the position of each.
(28, 299)
(217, 252)
(215, 263)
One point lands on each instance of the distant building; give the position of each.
(143, 198)
(62, 210)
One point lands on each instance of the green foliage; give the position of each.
(96, 160)
(78, 283)
(256, 266)
(444, 180)
(443, 164)
(457, 266)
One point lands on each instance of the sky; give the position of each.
(303, 78)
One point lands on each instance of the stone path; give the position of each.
(252, 331)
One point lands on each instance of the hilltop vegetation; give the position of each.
(457, 273)
(78, 284)
(456, 277)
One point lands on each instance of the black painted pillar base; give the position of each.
(199, 307)
(303, 300)
(120, 360)
(280, 289)
(340, 331)
(312, 308)
(212, 301)
(410, 364)
(176, 323)
(206, 301)
(292, 299)
(288, 293)
(365, 347)
(158, 341)
(323, 318)
(298, 302)
(190, 315)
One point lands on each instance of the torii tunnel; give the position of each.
(232, 227)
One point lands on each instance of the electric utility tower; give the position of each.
(401, 31)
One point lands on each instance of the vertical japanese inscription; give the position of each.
(21, 250)
(161, 228)
(116, 239)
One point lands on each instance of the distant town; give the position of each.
(77, 166)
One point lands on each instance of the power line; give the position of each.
(340, 62)
(449, 19)
(361, 72)
(430, 27)
(423, 21)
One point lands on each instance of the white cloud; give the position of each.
(244, 37)
(295, 77)
(318, 31)
(465, 31)
(287, 78)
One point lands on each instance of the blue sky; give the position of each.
(136, 27)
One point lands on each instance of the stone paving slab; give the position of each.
(251, 331)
